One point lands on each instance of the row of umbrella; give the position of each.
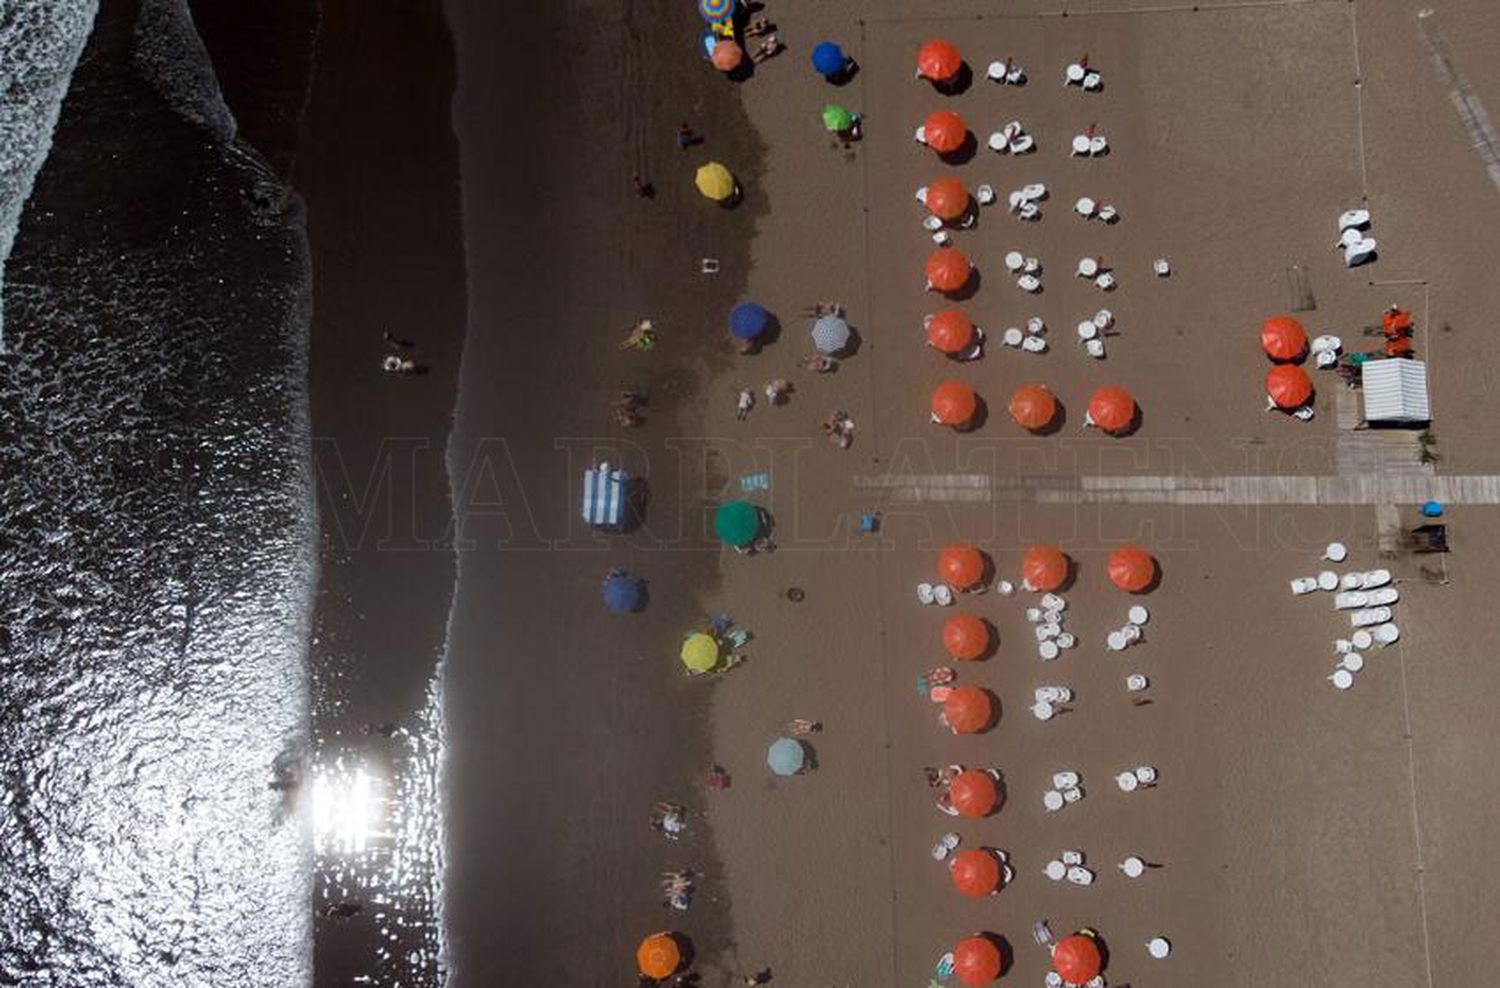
(1285, 342)
(977, 959)
(1045, 568)
(750, 321)
(1032, 406)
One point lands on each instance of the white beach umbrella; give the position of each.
(830, 334)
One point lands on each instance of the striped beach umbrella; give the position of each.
(716, 10)
(830, 334)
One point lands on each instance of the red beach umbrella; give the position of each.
(966, 637)
(967, 710)
(938, 60)
(1112, 409)
(973, 793)
(961, 566)
(947, 199)
(945, 131)
(1288, 385)
(950, 331)
(1033, 406)
(1077, 958)
(1131, 569)
(1044, 568)
(947, 270)
(1283, 338)
(975, 873)
(727, 55)
(954, 403)
(976, 961)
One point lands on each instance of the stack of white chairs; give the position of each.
(1048, 620)
(1358, 248)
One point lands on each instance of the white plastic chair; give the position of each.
(1087, 330)
(1088, 267)
(1092, 81)
(1116, 641)
(1133, 867)
(1055, 869)
(1139, 615)
(1328, 580)
(1042, 710)
(1047, 650)
(922, 194)
(1065, 640)
(1158, 947)
(1080, 145)
(1085, 206)
(1098, 144)
(1028, 283)
(1104, 319)
(1072, 794)
(1353, 218)
(943, 594)
(1326, 342)
(1016, 76)
(1342, 679)
(1012, 336)
(998, 143)
(1064, 780)
(1051, 601)
(1034, 192)
(1004, 588)
(1348, 238)
(1045, 632)
(1352, 661)
(1029, 211)
(1095, 349)
(1014, 261)
(1362, 639)
(1303, 414)
(1105, 282)
(1145, 775)
(931, 224)
(1017, 200)
(1052, 616)
(1162, 267)
(1326, 359)
(1021, 143)
(1033, 266)
(1343, 646)
(942, 238)
(1359, 253)
(1073, 74)
(1013, 130)
(1034, 344)
(1033, 614)
(1080, 875)
(924, 593)
(1304, 584)
(984, 195)
(1336, 552)
(1072, 857)
(995, 72)
(1135, 682)
(921, 135)
(1054, 980)
(1036, 327)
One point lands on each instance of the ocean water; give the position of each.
(157, 531)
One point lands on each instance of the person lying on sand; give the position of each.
(642, 337)
(626, 417)
(758, 25)
(768, 47)
(743, 402)
(820, 309)
(777, 391)
(393, 364)
(818, 364)
(801, 728)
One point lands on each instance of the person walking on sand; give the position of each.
(643, 188)
(396, 341)
(744, 401)
(642, 337)
(686, 138)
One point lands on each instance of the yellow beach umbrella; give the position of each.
(700, 652)
(715, 181)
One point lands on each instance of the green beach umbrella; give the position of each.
(737, 523)
(837, 119)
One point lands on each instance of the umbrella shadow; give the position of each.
(963, 154)
(1154, 582)
(1056, 424)
(771, 333)
(968, 289)
(850, 348)
(959, 84)
(809, 758)
(978, 419)
(992, 643)
(995, 713)
(845, 74)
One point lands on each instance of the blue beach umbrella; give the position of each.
(828, 58)
(715, 10)
(748, 321)
(785, 756)
(623, 593)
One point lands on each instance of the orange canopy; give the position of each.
(727, 55)
(1112, 409)
(1288, 385)
(1397, 346)
(945, 131)
(953, 403)
(976, 960)
(947, 269)
(950, 331)
(1283, 338)
(973, 793)
(1077, 959)
(967, 710)
(1044, 568)
(938, 60)
(1131, 569)
(947, 199)
(974, 872)
(1032, 406)
(658, 956)
(966, 637)
(1393, 322)
(960, 566)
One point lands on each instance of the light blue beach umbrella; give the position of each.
(786, 757)
(830, 334)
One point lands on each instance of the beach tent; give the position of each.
(966, 637)
(973, 794)
(950, 331)
(944, 131)
(947, 199)
(1283, 338)
(1131, 569)
(831, 334)
(947, 270)
(623, 593)
(737, 523)
(975, 872)
(960, 565)
(836, 119)
(748, 320)
(1112, 409)
(1044, 568)
(700, 652)
(1289, 386)
(967, 709)
(828, 58)
(604, 493)
(938, 60)
(1033, 406)
(976, 961)
(1076, 959)
(1395, 391)
(714, 181)
(658, 956)
(714, 11)
(786, 756)
(953, 403)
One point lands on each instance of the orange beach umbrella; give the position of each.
(950, 331)
(967, 710)
(945, 131)
(1033, 406)
(658, 956)
(961, 565)
(976, 961)
(953, 403)
(1044, 568)
(1283, 338)
(966, 637)
(938, 60)
(1288, 385)
(1112, 409)
(1076, 957)
(727, 55)
(1131, 569)
(947, 199)
(973, 794)
(975, 872)
(947, 269)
